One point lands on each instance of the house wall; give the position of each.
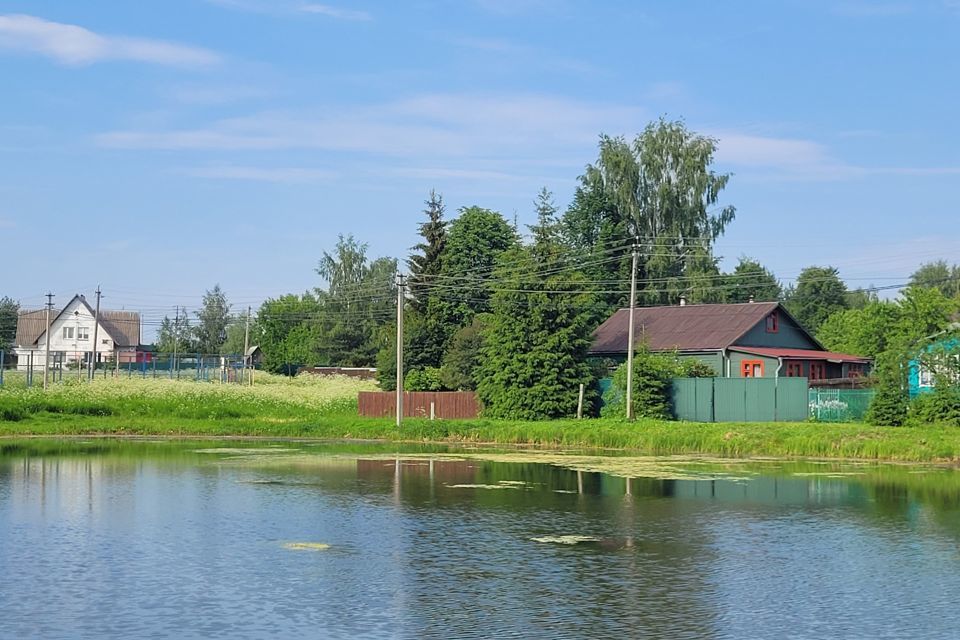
(788, 335)
(736, 361)
(913, 371)
(712, 358)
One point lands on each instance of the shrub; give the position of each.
(652, 377)
(942, 406)
(425, 379)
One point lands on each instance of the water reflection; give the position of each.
(130, 539)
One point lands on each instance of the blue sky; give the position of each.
(159, 147)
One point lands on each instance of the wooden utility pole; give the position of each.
(176, 341)
(92, 369)
(400, 290)
(46, 349)
(633, 304)
(246, 347)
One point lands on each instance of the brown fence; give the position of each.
(416, 404)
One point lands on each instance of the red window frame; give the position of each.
(854, 370)
(773, 322)
(818, 371)
(748, 367)
(794, 369)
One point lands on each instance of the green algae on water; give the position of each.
(306, 546)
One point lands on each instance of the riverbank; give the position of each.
(734, 440)
(326, 409)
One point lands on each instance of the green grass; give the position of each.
(326, 408)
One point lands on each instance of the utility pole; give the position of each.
(46, 349)
(176, 340)
(246, 347)
(92, 369)
(400, 290)
(633, 305)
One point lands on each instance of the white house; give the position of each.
(71, 335)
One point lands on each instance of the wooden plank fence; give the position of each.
(448, 405)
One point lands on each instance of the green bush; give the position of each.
(941, 406)
(426, 379)
(653, 374)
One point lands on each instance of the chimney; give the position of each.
(683, 301)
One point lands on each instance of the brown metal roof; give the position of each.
(693, 327)
(30, 325)
(123, 326)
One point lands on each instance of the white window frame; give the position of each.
(83, 334)
(67, 333)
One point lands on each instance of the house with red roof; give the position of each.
(748, 340)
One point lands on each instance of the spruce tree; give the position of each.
(534, 351)
(425, 263)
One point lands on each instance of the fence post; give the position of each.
(580, 403)
(1, 367)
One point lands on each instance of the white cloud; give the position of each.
(516, 7)
(444, 125)
(212, 94)
(73, 45)
(286, 7)
(263, 174)
(793, 157)
(335, 12)
(524, 54)
(872, 9)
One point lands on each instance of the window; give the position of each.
(83, 333)
(818, 371)
(794, 369)
(751, 368)
(773, 322)
(926, 376)
(855, 370)
(68, 333)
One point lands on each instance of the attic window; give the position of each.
(773, 322)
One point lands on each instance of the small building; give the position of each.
(938, 360)
(254, 356)
(71, 335)
(748, 340)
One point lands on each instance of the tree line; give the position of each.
(509, 312)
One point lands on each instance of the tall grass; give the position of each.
(273, 398)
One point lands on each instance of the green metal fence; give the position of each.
(740, 399)
(839, 405)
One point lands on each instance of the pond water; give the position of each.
(120, 539)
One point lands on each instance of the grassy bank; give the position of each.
(326, 408)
